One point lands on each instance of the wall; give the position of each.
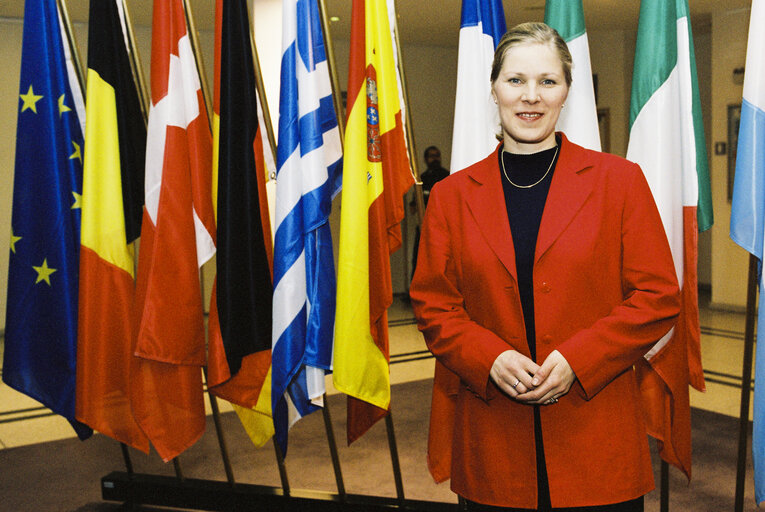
(10, 60)
(431, 76)
(729, 269)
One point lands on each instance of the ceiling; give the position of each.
(432, 22)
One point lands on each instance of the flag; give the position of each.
(177, 237)
(112, 200)
(476, 118)
(376, 174)
(239, 347)
(41, 313)
(579, 117)
(667, 140)
(308, 163)
(476, 124)
(747, 222)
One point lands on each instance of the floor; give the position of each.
(23, 422)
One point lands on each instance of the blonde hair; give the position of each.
(532, 33)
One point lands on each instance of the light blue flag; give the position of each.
(747, 222)
(41, 316)
(308, 174)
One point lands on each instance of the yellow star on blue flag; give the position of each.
(61, 106)
(30, 100)
(14, 239)
(44, 272)
(77, 153)
(39, 357)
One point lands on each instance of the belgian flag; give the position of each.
(240, 310)
(112, 201)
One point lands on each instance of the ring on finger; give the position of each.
(553, 400)
(517, 381)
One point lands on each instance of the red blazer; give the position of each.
(605, 291)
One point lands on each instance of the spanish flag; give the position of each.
(239, 347)
(376, 174)
(112, 200)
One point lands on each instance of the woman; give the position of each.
(543, 275)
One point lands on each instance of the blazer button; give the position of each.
(545, 287)
(547, 338)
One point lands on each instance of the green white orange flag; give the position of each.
(667, 140)
(579, 117)
(376, 174)
(239, 346)
(112, 199)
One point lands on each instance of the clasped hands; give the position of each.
(527, 382)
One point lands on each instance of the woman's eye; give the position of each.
(514, 80)
(548, 81)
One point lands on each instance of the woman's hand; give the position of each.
(512, 372)
(550, 382)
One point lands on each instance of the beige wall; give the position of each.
(729, 270)
(10, 60)
(431, 76)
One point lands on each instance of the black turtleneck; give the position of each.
(531, 175)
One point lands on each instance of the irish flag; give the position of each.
(667, 140)
(579, 117)
(376, 174)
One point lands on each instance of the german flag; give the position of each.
(112, 199)
(376, 174)
(239, 349)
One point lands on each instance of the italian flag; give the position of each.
(667, 140)
(579, 117)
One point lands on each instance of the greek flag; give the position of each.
(308, 162)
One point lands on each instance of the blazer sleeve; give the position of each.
(458, 342)
(651, 303)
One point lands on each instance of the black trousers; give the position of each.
(635, 505)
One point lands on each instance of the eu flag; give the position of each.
(41, 316)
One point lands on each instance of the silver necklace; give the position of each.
(502, 159)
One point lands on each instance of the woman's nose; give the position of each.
(531, 94)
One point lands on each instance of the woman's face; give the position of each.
(529, 90)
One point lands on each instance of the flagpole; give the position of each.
(72, 42)
(418, 194)
(394, 459)
(194, 39)
(746, 382)
(135, 65)
(340, 113)
(332, 68)
(261, 88)
(333, 449)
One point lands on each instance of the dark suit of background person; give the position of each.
(432, 175)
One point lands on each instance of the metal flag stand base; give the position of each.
(168, 491)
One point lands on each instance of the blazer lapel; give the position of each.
(571, 186)
(486, 202)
